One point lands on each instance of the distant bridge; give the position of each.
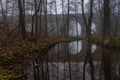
(62, 21)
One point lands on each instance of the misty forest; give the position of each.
(59, 39)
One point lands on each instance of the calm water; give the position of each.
(76, 61)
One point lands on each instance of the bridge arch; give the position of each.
(95, 30)
(62, 22)
(74, 28)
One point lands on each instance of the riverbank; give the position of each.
(109, 42)
(13, 53)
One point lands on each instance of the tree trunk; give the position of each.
(22, 20)
(88, 22)
(106, 18)
(68, 14)
(56, 19)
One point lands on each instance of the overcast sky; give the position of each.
(59, 6)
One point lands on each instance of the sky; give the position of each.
(59, 6)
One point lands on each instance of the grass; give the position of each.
(7, 75)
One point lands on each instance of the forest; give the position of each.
(59, 39)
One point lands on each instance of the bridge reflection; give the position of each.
(65, 62)
(76, 50)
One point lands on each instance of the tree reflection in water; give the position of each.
(106, 60)
(88, 58)
(61, 64)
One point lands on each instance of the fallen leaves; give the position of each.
(13, 52)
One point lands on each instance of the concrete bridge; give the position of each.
(62, 22)
(61, 19)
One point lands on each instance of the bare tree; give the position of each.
(45, 17)
(22, 19)
(37, 5)
(115, 15)
(106, 18)
(88, 22)
(56, 18)
(68, 14)
(8, 23)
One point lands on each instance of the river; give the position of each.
(76, 61)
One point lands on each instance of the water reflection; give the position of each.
(93, 48)
(75, 47)
(89, 59)
(61, 64)
(107, 65)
